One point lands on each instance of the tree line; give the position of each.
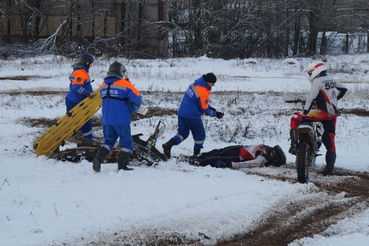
(179, 28)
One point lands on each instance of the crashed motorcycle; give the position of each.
(308, 139)
(144, 152)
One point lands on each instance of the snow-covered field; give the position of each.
(47, 202)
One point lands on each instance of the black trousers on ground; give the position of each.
(227, 155)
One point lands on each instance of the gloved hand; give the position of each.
(211, 108)
(90, 94)
(219, 115)
(303, 119)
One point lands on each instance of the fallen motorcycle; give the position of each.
(144, 152)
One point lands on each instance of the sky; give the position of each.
(48, 202)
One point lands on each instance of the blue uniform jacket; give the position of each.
(119, 101)
(196, 100)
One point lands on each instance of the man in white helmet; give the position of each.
(325, 93)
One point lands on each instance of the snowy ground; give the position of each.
(46, 202)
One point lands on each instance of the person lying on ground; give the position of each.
(242, 156)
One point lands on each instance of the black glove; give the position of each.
(303, 119)
(90, 94)
(211, 108)
(219, 115)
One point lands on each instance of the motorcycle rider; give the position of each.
(325, 93)
(242, 156)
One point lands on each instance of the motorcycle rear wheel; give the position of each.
(302, 163)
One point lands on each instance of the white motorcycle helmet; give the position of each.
(315, 68)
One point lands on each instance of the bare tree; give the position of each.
(352, 18)
(48, 45)
(5, 19)
(217, 28)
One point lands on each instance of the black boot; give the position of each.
(99, 158)
(330, 159)
(123, 161)
(292, 149)
(196, 152)
(195, 160)
(168, 146)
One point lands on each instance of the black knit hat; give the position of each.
(210, 77)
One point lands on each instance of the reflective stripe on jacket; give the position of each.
(79, 85)
(117, 95)
(196, 100)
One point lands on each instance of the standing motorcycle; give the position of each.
(308, 139)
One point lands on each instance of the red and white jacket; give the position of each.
(251, 156)
(325, 92)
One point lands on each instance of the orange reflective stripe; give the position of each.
(204, 96)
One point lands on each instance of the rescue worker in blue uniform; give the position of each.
(80, 88)
(195, 102)
(119, 100)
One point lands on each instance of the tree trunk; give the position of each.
(93, 18)
(196, 10)
(347, 43)
(323, 45)
(79, 23)
(288, 33)
(9, 20)
(120, 21)
(296, 36)
(36, 26)
(313, 35)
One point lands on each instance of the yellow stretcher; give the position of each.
(68, 125)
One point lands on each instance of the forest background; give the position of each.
(184, 28)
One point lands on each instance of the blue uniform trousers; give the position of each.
(111, 134)
(185, 125)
